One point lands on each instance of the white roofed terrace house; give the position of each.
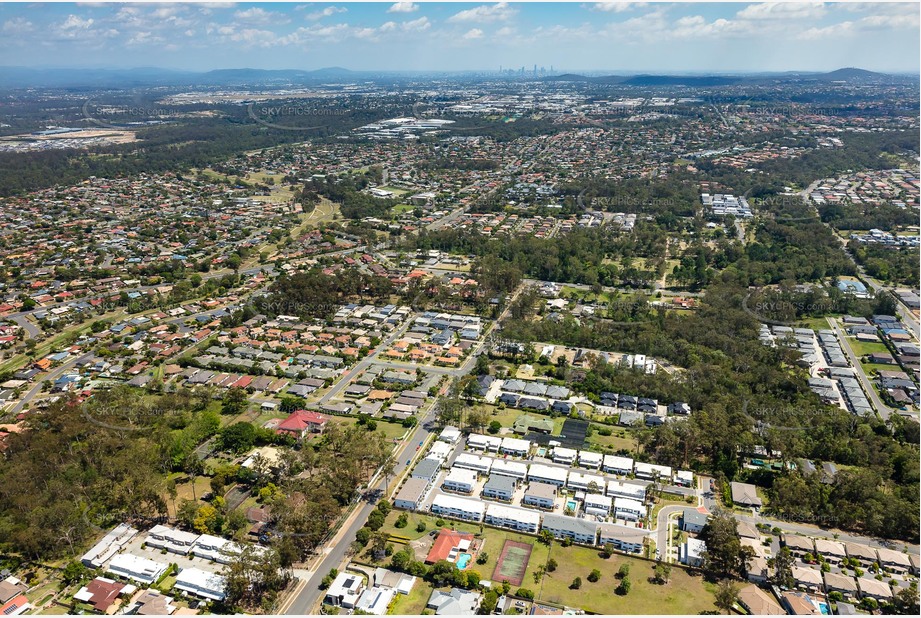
(204, 584)
(503, 516)
(136, 568)
(624, 538)
(460, 480)
(171, 539)
(597, 505)
(651, 472)
(507, 467)
(631, 510)
(515, 447)
(458, 508)
(580, 481)
(620, 489)
(590, 460)
(546, 474)
(477, 463)
(614, 464)
(486, 444)
(564, 456)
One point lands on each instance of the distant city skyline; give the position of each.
(613, 37)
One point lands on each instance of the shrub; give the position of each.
(402, 521)
(420, 527)
(482, 557)
(551, 565)
(576, 583)
(525, 593)
(594, 576)
(624, 587)
(623, 571)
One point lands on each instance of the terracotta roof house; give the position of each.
(302, 422)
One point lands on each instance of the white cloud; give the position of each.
(260, 17)
(417, 25)
(17, 25)
(833, 31)
(613, 6)
(782, 10)
(76, 23)
(473, 34)
(327, 12)
(485, 13)
(403, 7)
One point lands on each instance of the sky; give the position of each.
(618, 37)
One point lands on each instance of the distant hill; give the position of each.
(851, 74)
(846, 74)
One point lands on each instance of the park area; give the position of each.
(507, 552)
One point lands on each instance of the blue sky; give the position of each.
(613, 36)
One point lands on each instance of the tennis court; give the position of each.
(512, 563)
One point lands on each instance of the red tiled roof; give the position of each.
(447, 540)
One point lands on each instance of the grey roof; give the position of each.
(427, 469)
(501, 483)
(541, 490)
(561, 522)
(693, 516)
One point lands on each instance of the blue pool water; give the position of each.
(823, 607)
(571, 504)
(463, 560)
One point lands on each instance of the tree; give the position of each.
(494, 427)
(488, 604)
(545, 537)
(237, 438)
(594, 576)
(607, 551)
(662, 571)
(783, 568)
(253, 579)
(727, 594)
(576, 583)
(420, 527)
(623, 588)
(725, 553)
(482, 557)
(552, 565)
(73, 572)
(234, 402)
(363, 535)
(525, 593)
(623, 571)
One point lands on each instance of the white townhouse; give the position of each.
(621, 489)
(565, 456)
(632, 510)
(202, 583)
(597, 504)
(412, 494)
(581, 481)
(458, 508)
(450, 434)
(507, 467)
(477, 463)
(650, 471)
(136, 568)
(515, 447)
(683, 478)
(590, 460)
(460, 480)
(485, 444)
(615, 464)
(521, 520)
(499, 487)
(547, 474)
(171, 539)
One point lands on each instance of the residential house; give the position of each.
(499, 487)
(521, 520)
(757, 602)
(579, 530)
(460, 480)
(745, 494)
(627, 539)
(691, 552)
(458, 508)
(541, 495)
(412, 494)
(455, 602)
(693, 521)
(345, 590)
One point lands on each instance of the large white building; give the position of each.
(171, 539)
(623, 538)
(110, 544)
(651, 471)
(458, 508)
(474, 462)
(615, 464)
(547, 474)
(632, 510)
(590, 460)
(515, 447)
(412, 494)
(503, 516)
(621, 489)
(597, 504)
(565, 456)
(479, 442)
(580, 481)
(136, 568)
(201, 583)
(460, 480)
(507, 467)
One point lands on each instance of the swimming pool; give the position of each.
(823, 607)
(571, 505)
(463, 560)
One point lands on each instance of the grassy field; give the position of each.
(813, 323)
(862, 348)
(684, 594)
(399, 209)
(619, 439)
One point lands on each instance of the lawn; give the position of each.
(871, 368)
(399, 209)
(862, 348)
(813, 323)
(413, 603)
(684, 594)
(619, 439)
